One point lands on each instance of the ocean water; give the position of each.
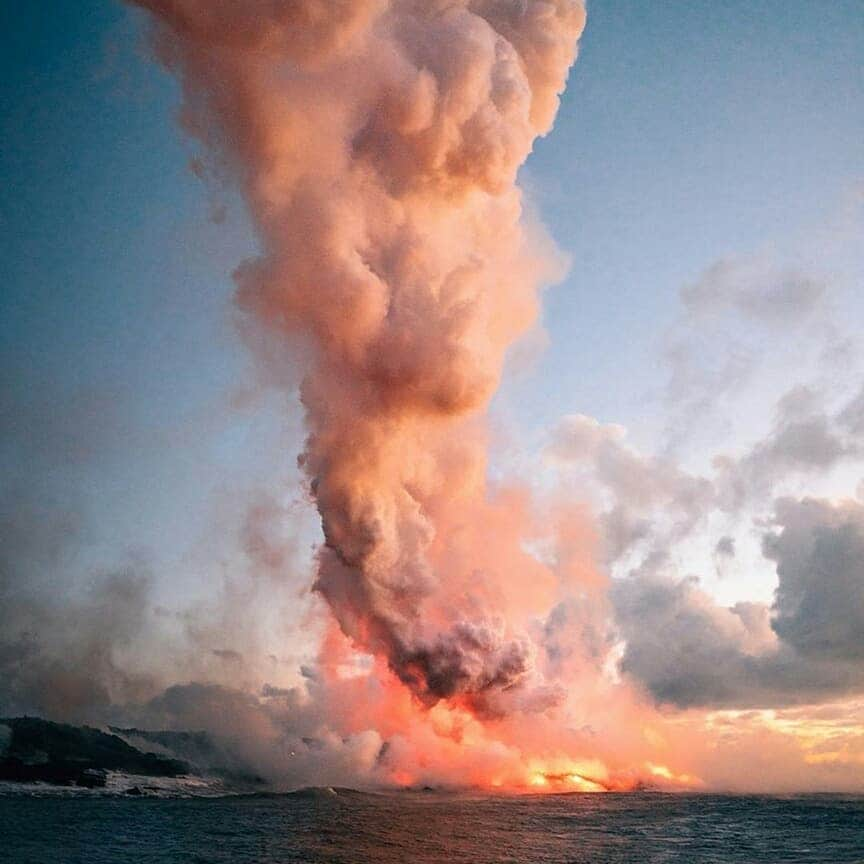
(422, 828)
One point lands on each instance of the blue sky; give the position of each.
(690, 132)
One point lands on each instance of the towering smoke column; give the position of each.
(378, 143)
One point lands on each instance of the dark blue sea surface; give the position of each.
(422, 828)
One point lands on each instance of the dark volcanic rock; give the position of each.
(199, 750)
(34, 750)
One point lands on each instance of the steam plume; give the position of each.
(378, 144)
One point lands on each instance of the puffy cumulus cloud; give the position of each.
(819, 552)
(687, 649)
(807, 646)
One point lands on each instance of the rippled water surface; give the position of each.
(355, 828)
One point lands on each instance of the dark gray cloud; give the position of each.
(690, 651)
(685, 648)
(725, 547)
(819, 552)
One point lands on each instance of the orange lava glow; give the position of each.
(450, 744)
